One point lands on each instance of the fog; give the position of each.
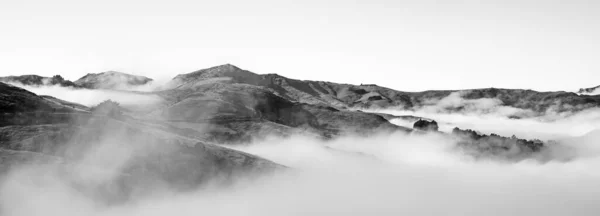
(491, 116)
(128, 97)
(381, 174)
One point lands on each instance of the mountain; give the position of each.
(14, 99)
(105, 80)
(179, 141)
(234, 102)
(36, 80)
(343, 96)
(111, 80)
(590, 91)
(335, 95)
(38, 130)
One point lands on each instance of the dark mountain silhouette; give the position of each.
(425, 125)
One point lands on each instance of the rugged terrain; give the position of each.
(373, 96)
(40, 129)
(178, 141)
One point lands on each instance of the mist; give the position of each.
(132, 96)
(491, 116)
(385, 174)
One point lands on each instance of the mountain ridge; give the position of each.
(111, 80)
(340, 95)
(373, 96)
(104, 80)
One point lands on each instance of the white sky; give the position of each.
(406, 45)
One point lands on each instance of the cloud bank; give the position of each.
(90, 97)
(384, 175)
(490, 116)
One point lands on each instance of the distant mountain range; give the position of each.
(331, 94)
(239, 104)
(373, 96)
(105, 80)
(36, 80)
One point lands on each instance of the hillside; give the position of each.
(37, 130)
(232, 107)
(329, 94)
(372, 96)
(111, 80)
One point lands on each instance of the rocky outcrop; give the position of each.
(425, 125)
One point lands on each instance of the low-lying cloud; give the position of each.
(491, 116)
(92, 97)
(383, 175)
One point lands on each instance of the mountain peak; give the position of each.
(225, 70)
(227, 65)
(112, 80)
(222, 68)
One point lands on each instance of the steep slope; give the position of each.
(36, 80)
(111, 80)
(14, 99)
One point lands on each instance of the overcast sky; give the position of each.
(406, 45)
